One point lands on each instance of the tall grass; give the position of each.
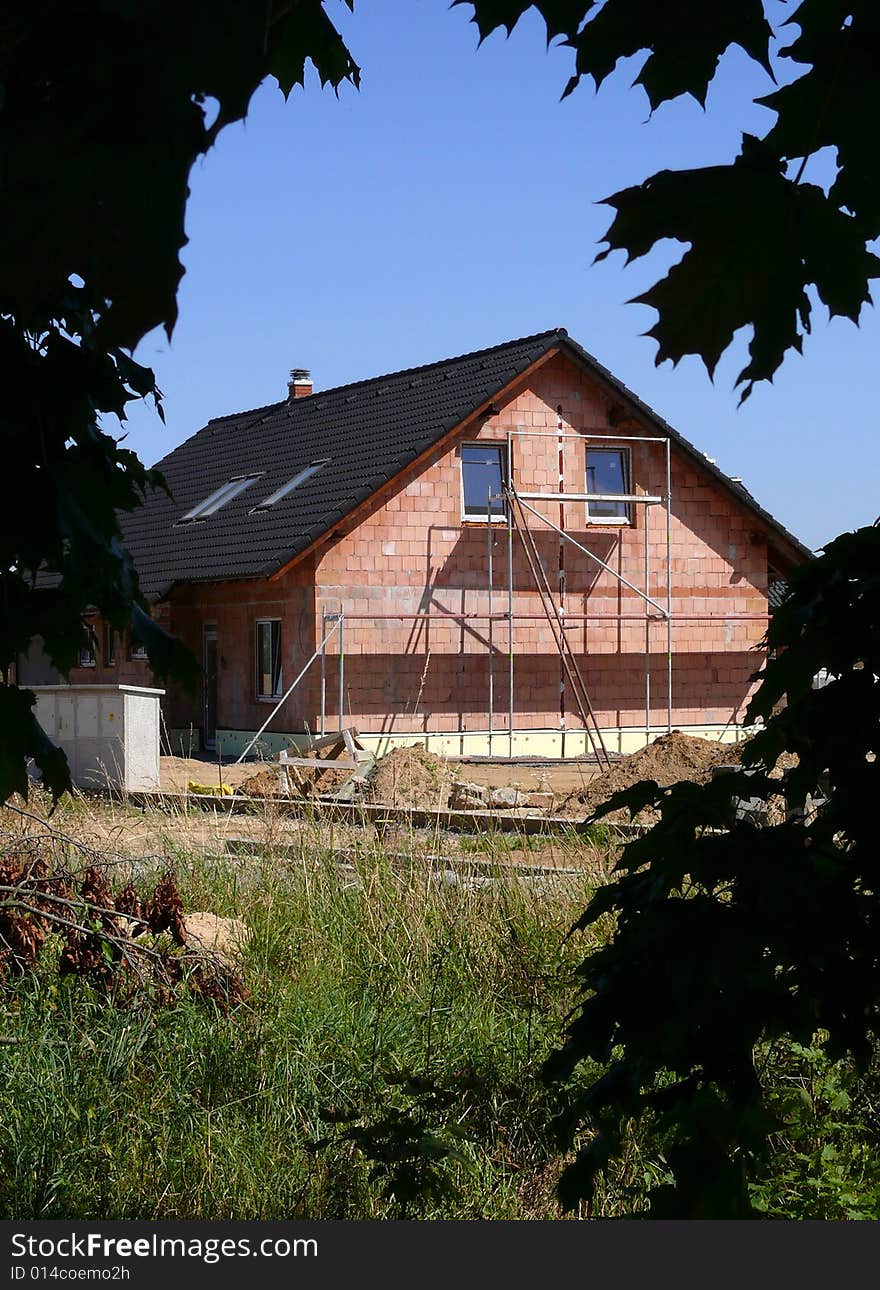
(358, 977)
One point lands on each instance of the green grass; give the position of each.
(384, 1064)
(355, 979)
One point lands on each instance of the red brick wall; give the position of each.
(234, 608)
(124, 670)
(414, 553)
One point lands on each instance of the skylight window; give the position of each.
(218, 498)
(312, 469)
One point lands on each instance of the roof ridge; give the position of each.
(303, 401)
(246, 412)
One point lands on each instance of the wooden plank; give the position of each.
(361, 813)
(322, 763)
(355, 747)
(325, 741)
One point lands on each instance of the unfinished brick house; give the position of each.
(501, 553)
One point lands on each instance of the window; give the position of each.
(218, 498)
(136, 649)
(87, 656)
(482, 475)
(109, 646)
(268, 658)
(608, 473)
(312, 469)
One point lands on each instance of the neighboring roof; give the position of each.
(370, 431)
(777, 592)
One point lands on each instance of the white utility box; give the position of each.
(110, 733)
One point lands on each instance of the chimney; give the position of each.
(300, 384)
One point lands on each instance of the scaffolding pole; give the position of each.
(341, 621)
(607, 567)
(647, 632)
(557, 626)
(645, 499)
(565, 619)
(490, 567)
(323, 722)
(668, 507)
(510, 601)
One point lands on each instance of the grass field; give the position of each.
(357, 977)
(386, 1059)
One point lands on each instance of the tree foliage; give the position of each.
(104, 108)
(760, 240)
(729, 933)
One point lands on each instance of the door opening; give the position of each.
(209, 687)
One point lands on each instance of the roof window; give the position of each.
(219, 497)
(312, 469)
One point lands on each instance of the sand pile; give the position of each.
(266, 783)
(669, 760)
(410, 777)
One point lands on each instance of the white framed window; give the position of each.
(311, 469)
(87, 657)
(268, 658)
(136, 649)
(483, 476)
(608, 475)
(220, 496)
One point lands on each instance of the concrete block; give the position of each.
(109, 733)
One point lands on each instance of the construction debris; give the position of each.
(209, 790)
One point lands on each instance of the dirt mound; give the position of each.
(410, 777)
(668, 760)
(266, 783)
(324, 780)
(222, 938)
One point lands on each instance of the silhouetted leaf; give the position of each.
(757, 242)
(836, 103)
(562, 17)
(730, 935)
(684, 39)
(22, 739)
(166, 654)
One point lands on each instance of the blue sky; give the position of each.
(451, 204)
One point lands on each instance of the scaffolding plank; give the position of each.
(647, 499)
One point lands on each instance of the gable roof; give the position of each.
(368, 431)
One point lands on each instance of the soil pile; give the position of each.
(266, 783)
(220, 938)
(304, 781)
(669, 760)
(410, 777)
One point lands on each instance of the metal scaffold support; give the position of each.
(519, 507)
(520, 511)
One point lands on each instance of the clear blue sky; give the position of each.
(451, 204)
